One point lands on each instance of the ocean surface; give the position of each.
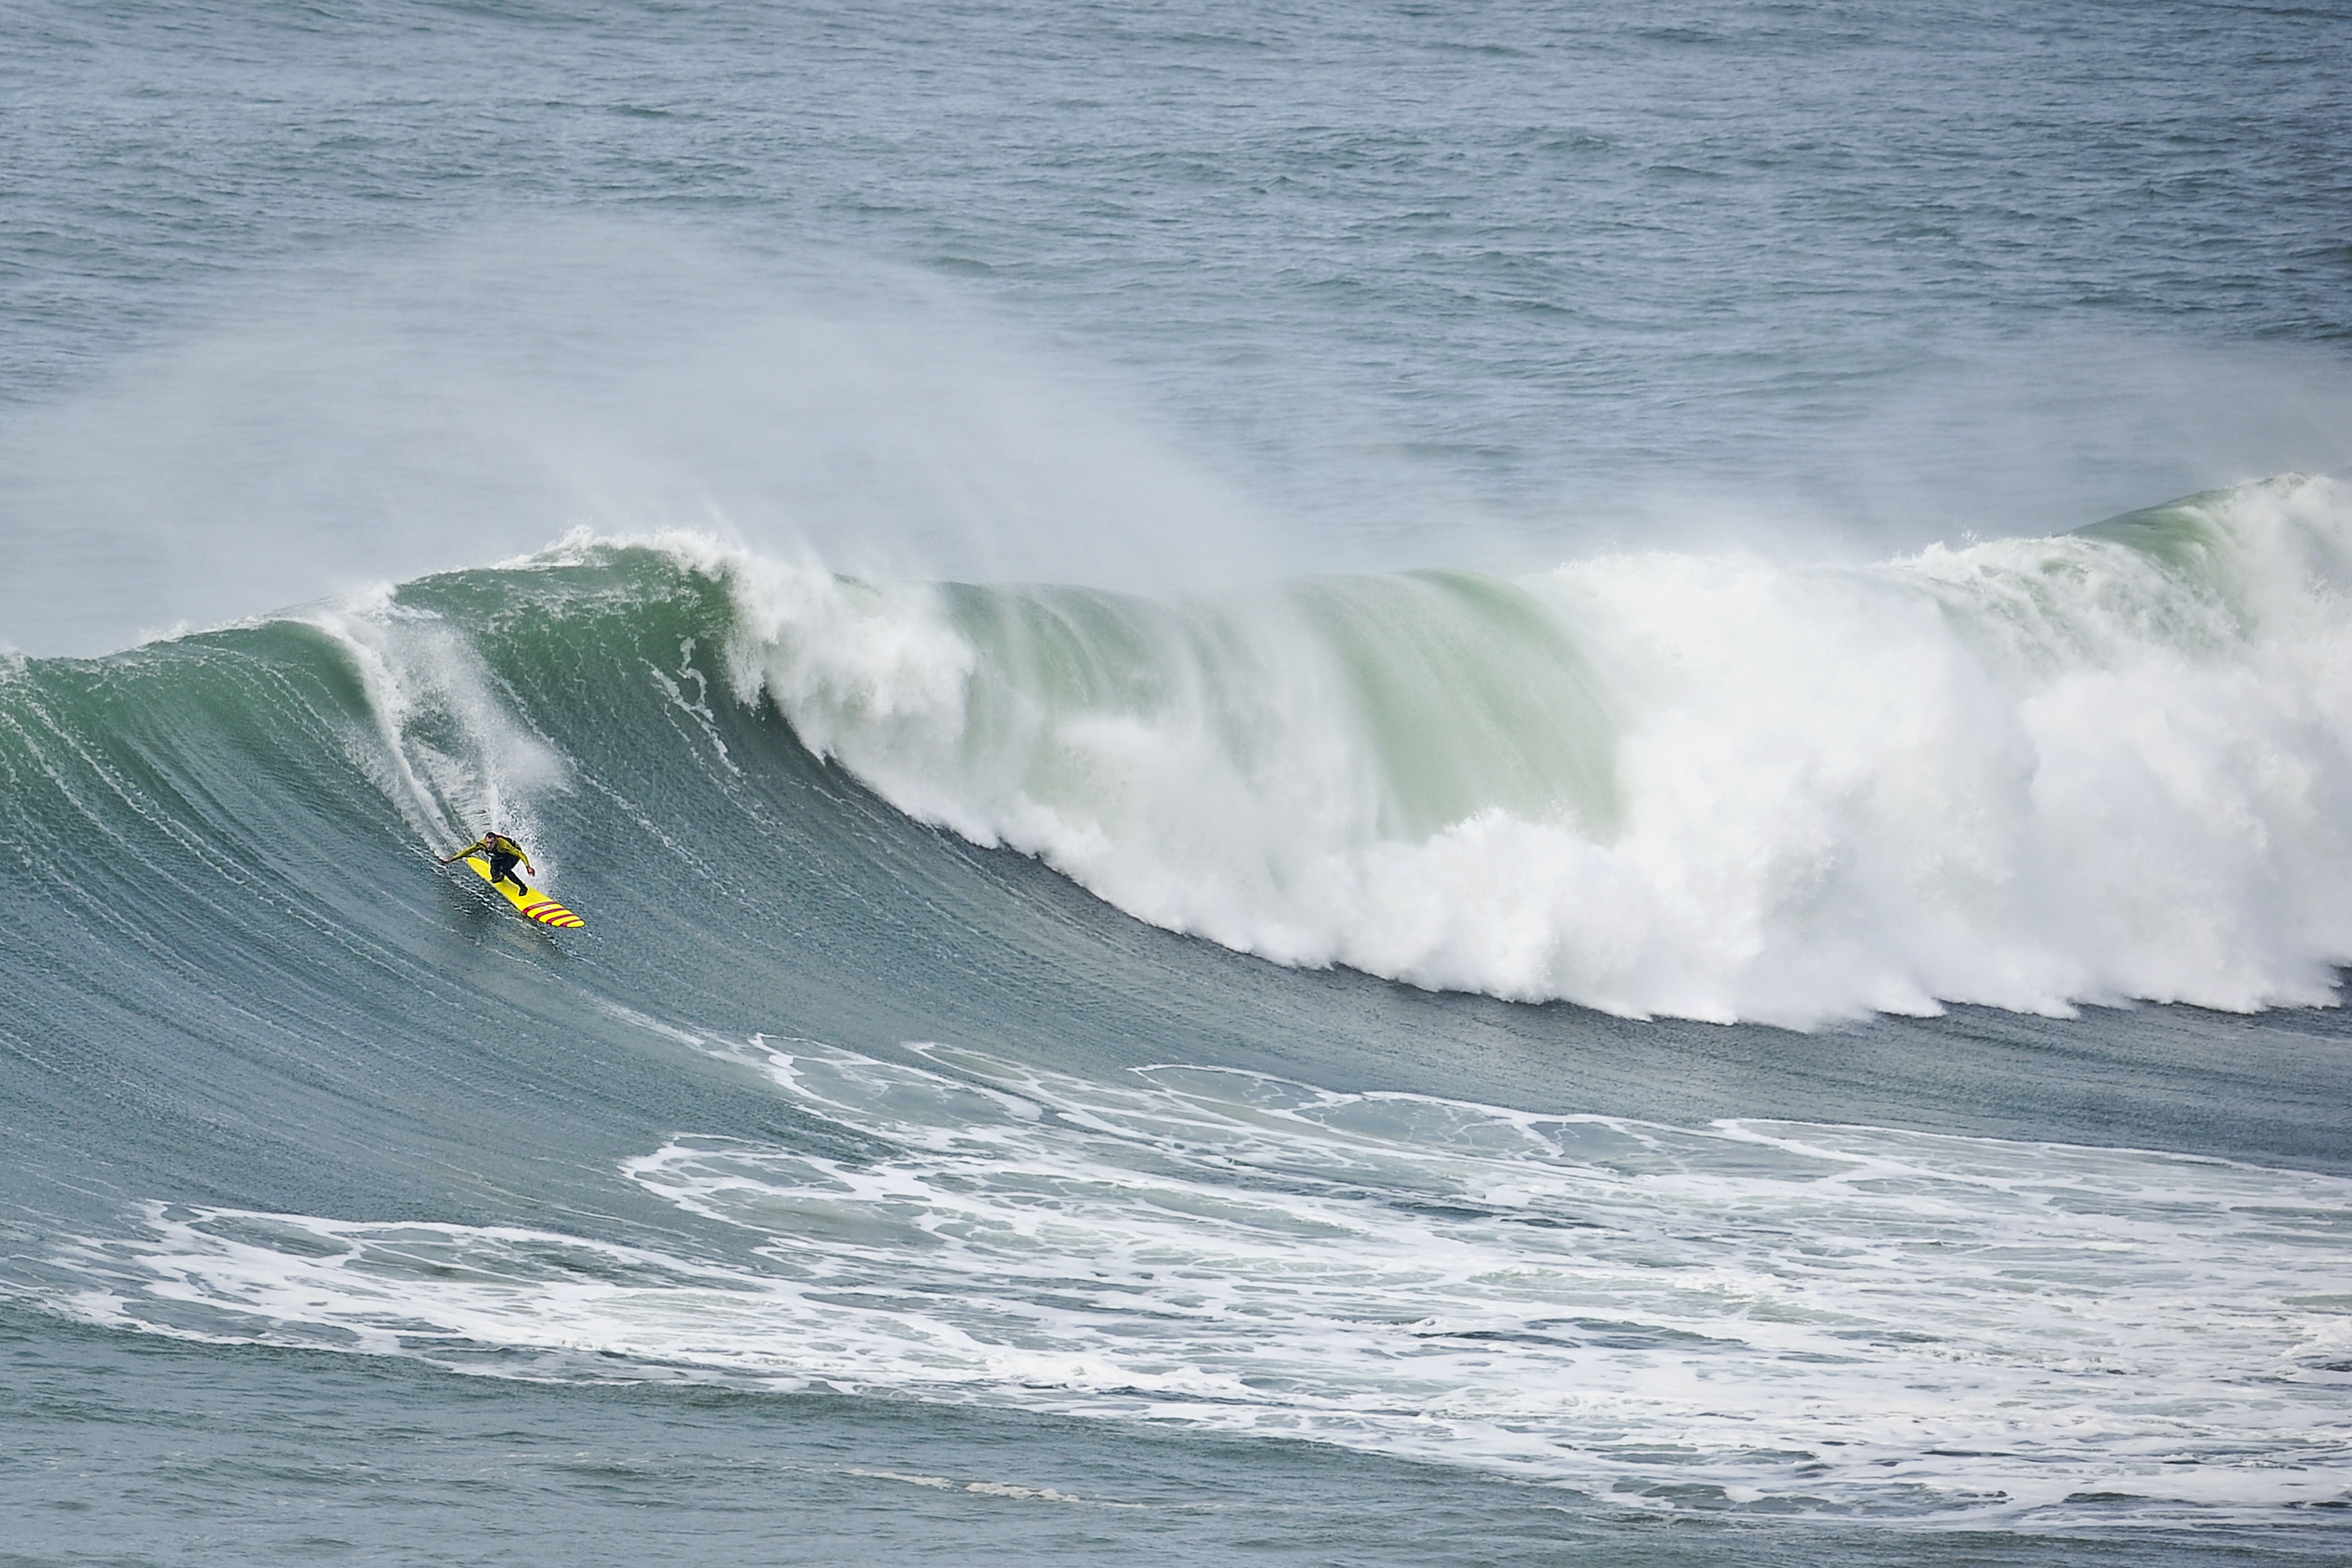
(1354, 784)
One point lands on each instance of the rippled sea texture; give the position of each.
(1152, 602)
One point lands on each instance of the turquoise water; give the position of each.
(1352, 784)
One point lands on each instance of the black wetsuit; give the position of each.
(503, 859)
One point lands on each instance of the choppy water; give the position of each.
(1351, 783)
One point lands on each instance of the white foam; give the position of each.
(2028, 774)
(1795, 1316)
(441, 744)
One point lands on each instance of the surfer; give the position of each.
(502, 852)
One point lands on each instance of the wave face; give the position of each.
(2030, 773)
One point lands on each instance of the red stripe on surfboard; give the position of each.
(531, 903)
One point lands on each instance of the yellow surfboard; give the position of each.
(531, 902)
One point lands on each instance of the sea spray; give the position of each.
(442, 745)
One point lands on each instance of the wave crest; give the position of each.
(2030, 773)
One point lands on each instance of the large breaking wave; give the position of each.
(2031, 774)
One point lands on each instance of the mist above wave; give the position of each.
(434, 407)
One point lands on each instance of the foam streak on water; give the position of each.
(1769, 1316)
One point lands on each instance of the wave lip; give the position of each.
(2032, 774)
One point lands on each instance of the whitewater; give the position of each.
(1796, 1320)
(2105, 766)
